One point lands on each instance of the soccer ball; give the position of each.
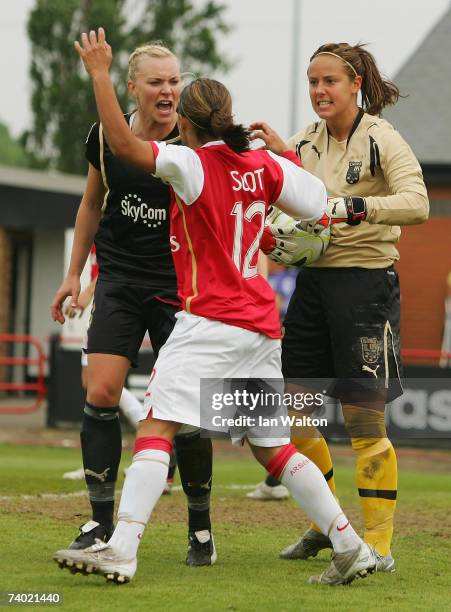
(294, 246)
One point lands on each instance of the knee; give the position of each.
(368, 447)
(103, 393)
(264, 454)
(365, 423)
(155, 428)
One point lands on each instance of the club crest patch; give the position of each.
(371, 348)
(353, 173)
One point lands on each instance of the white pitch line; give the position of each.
(231, 487)
(53, 496)
(58, 496)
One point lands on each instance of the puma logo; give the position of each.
(316, 151)
(366, 368)
(334, 209)
(206, 485)
(102, 476)
(315, 128)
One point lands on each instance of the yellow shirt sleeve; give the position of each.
(408, 203)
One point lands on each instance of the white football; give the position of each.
(294, 246)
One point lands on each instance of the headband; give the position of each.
(340, 58)
(184, 114)
(201, 127)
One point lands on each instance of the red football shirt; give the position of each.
(217, 217)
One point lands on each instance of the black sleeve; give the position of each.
(93, 146)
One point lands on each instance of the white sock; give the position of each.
(342, 535)
(143, 486)
(126, 539)
(131, 407)
(309, 489)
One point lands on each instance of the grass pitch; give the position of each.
(40, 512)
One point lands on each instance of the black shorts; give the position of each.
(121, 315)
(343, 324)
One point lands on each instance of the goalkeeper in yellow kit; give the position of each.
(343, 319)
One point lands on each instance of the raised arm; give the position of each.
(96, 56)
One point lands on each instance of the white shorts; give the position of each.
(200, 348)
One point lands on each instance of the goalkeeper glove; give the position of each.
(282, 238)
(349, 210)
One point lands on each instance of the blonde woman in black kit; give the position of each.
(125, 211)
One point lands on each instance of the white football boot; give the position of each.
(99, 558)
(345, 567)
(384, 563)
(263, 492)
(74, 475)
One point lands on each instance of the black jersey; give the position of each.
(132, 241)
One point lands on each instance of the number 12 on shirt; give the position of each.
(241, 220)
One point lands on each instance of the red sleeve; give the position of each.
(154, 146)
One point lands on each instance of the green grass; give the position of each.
(248, 575)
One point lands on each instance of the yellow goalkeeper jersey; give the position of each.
(376, 163)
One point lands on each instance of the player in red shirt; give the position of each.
(229, 326)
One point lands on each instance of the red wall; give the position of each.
(423, 269)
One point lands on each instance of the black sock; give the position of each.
(271, 481)
(101, 444)
(172, 465)
(194, 460)
(103, 512)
